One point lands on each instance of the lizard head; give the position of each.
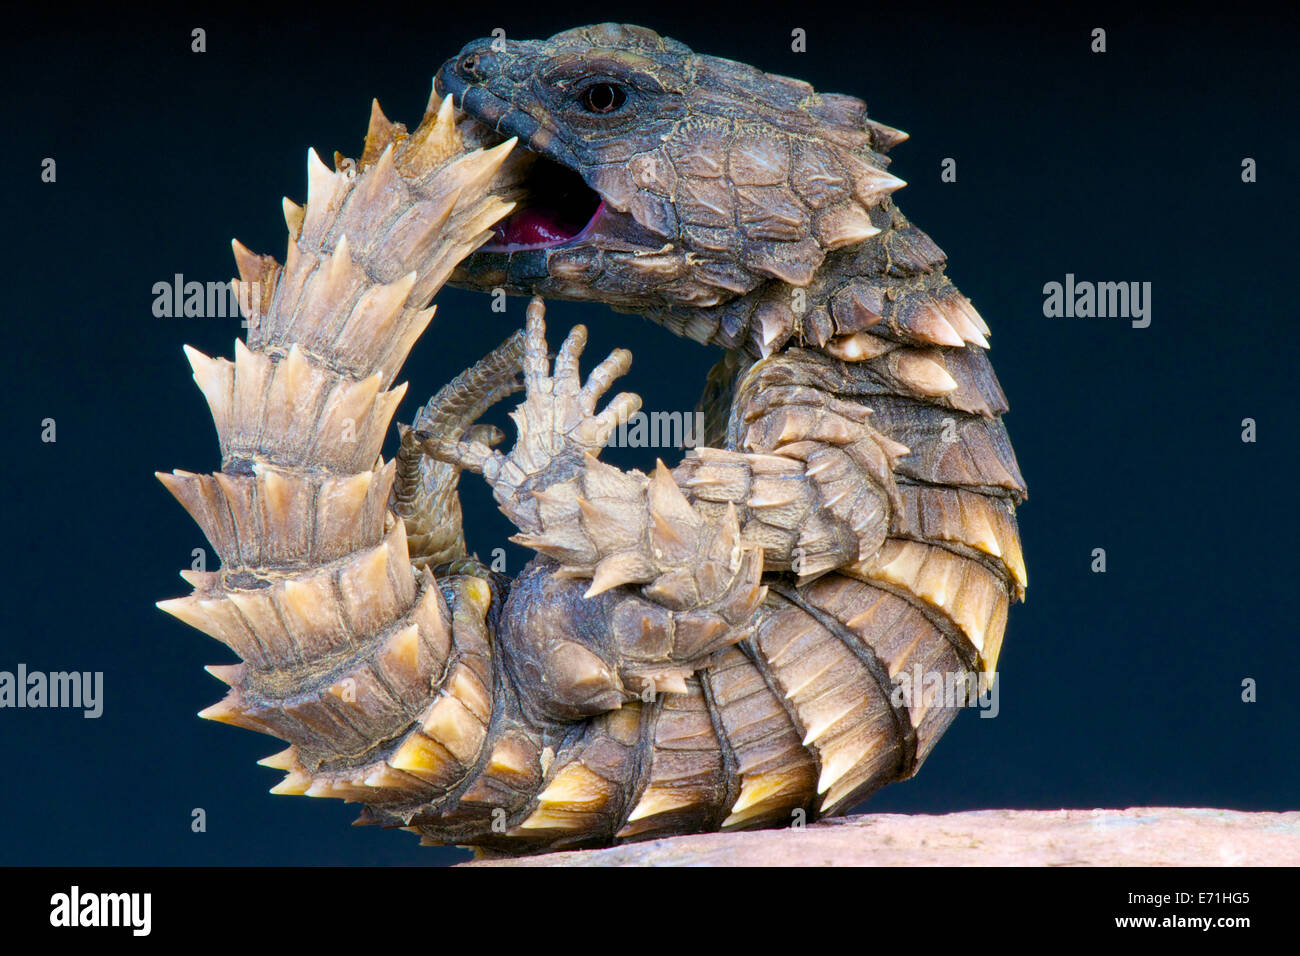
(660, 178)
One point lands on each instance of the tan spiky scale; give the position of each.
(657, 800)
(857, 346)
(870, 183)
(757, 793)
(283, 760)
(670, 682)
(922, 319)
(216, 380)
(826, 721)
(617, 569)
(325, 189)
(456, 728)
(960, 320)
(424, 758)
(201, 497)
(295, 784)
(572, 793)
(228, 674)
(376, 314)
(977, 521)
(230, 710)
(844, 226)
(512, 757)
(200, 580)
(885, 137)
(958, 302)
(380, 135)
(607, 525)
(219, 619)
(293, 217)
(922, 372)
(249, 263)
(431, 143)
(574, 787)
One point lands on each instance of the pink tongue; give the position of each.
(531, 227)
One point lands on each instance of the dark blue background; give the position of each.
(1118, 689)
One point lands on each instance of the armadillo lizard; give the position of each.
(712, 646)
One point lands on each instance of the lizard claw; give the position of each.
(488, 435)
(474, 455)
(558, 414)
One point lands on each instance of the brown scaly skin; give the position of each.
(707, 647)
(855, 422)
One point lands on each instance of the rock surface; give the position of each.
(1143, 836)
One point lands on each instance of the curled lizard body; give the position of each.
(715, 645)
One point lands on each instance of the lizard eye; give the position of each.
(602, 98)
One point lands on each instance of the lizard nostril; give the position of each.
(471, 67)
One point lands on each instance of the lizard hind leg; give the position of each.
(425, 489)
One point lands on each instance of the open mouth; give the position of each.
(556, 207)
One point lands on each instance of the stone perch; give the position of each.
(1141, 836)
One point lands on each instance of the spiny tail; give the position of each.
(378, 676)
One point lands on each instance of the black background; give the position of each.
(1119, 689)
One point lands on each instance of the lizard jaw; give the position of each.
(560, 225)
(556, 208)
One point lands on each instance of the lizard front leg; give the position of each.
(813, 490)
(701, 582)
(557, 424)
